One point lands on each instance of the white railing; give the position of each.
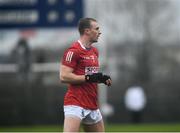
(36, 67)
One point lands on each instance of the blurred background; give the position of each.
(139, 48)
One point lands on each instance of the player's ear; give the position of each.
(87, 31)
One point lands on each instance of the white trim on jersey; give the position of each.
(82, 46)
(69, 56)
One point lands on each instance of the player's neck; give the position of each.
(85, 43)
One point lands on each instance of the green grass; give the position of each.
(109, 128)
(143, 128)
(39, 128)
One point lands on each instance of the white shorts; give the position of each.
(87, 116)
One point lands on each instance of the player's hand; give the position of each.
(98, 78)
(94, 78)
(107, 80)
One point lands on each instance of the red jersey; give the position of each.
(83, 61)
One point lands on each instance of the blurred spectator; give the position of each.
(135, 101)
(23, 59)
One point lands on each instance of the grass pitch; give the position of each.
(109, 128)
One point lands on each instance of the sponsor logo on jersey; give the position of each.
(91, 70)
(89, 57)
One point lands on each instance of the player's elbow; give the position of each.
(62, 78)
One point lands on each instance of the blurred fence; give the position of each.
(38, 100)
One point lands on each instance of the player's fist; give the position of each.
(98, 78)
(107, 80)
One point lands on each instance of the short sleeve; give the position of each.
(70, 58)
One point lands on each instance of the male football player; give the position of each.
(80, 70)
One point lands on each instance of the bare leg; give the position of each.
(98, 127)
(71, 124)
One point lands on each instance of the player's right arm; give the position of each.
(69, 63)
(67, 75)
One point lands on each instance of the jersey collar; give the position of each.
(82, 46)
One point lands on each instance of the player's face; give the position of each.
(94, 32)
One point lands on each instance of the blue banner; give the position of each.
(40, 13)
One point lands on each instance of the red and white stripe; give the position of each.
(69, 56)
